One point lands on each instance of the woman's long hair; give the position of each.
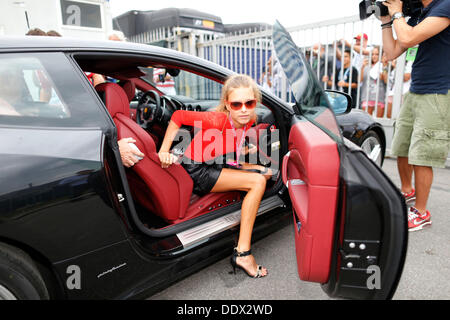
(234, 82)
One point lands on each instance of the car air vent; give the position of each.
(198, 108)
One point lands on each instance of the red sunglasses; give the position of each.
(237, 105)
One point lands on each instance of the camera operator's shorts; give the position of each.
(422, 129)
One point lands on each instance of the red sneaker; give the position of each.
(416, 220)
(409, 196)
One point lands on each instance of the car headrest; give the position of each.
(129, 87)
(114, 97)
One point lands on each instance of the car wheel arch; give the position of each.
(378, 130)
(43, 265)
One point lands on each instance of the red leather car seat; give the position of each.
(129, 87)
(166, 192)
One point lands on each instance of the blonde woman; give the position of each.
(233, 118)
(373, 88)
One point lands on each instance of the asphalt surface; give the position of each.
(426, 274)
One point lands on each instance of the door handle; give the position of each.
(284, 169)
(296, 182)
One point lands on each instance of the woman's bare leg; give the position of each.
(380, 111)
(255, 185)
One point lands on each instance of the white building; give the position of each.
(89, 19)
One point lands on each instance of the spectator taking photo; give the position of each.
(422, 130)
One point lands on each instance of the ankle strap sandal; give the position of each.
(234, 264)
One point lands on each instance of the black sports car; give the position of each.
(76, 224)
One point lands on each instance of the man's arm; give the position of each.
(357, 48)
(408, 36)
(391, 47)
(338, 51)
(360, 50)
(328, 81)
(344, 84)
(354, 83)
(98, 79)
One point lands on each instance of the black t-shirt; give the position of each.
(431, 68)
(345, 76)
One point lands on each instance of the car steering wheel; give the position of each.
(149, 108)
(169, 103)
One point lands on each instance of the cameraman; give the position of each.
(422, 131)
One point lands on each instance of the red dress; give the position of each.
(214, 134)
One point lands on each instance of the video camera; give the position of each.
(368, 7)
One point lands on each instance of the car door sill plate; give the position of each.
(200, 233)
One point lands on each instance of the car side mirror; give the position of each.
(340, 102)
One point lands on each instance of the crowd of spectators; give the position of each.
(40, 32)
(363, 71)
(359, 69)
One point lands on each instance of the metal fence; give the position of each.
(321, 43)
(249, 51)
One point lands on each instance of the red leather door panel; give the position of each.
(311, 172)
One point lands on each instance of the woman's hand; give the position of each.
(365, 62)
(167, 159)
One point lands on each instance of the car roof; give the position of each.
(67, 43)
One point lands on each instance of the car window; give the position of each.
(197, 87)
(26, 90)
(321, 114)
(190, 88)
(304, 85)
(44, 90)
(183, 83)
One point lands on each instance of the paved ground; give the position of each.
(426, 274)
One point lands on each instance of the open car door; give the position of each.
(350, 219)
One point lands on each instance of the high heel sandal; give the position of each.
(234, 264)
